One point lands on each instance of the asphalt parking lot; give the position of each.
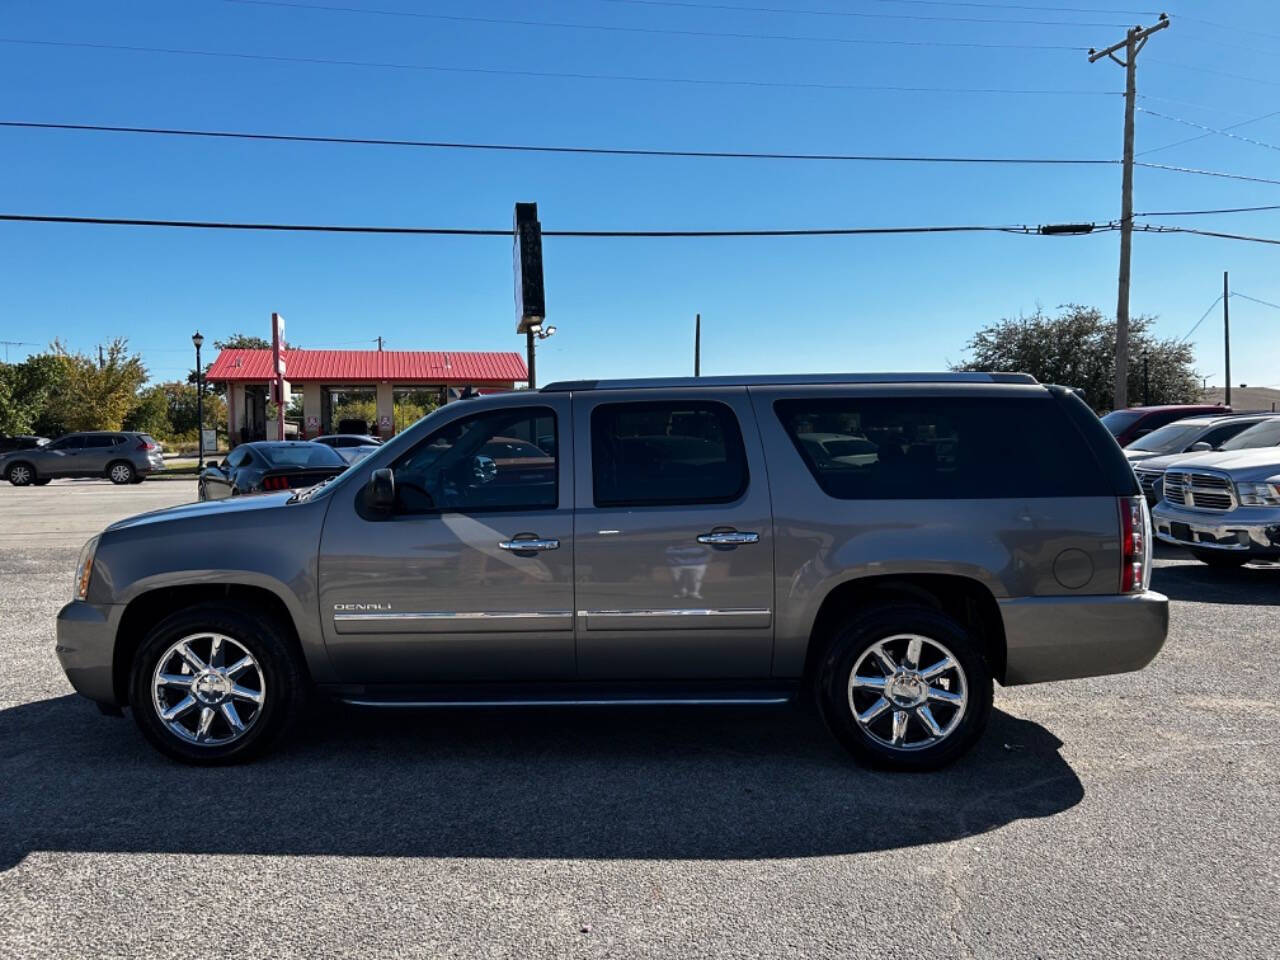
(1123, 816)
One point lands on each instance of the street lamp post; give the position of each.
(198, 340)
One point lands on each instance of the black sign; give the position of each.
(531, 303)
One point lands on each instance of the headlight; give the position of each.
(1265, 494)
(84, 570)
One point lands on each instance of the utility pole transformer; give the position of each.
(1133, 43)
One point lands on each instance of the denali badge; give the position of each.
(362, 606)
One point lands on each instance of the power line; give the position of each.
(1265, 303)
(1197, 213)
(544, 74)
(859, 14)
(1158, 228)
(506, 231)
(1211, 130)
(1223, 26)
(1202, 136)
(1203, 173)
(1216, 301)
(538, 148)
(1025, 6)
(658, 31)
(1216, 73)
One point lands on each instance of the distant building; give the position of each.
(330, 379)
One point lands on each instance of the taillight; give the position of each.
(1134, 544)
(143, 445)
(275, 483)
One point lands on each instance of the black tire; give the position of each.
(870, 744)
(41, 481)
(1221, 560)
(121, 472)
(283, 680)
(20, 474)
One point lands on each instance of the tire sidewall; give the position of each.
(31, 474)
(861, 633)
(111, 470)
(284, 679)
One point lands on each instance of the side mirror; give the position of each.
(211, 463)
(1200, 446)
(381, 490)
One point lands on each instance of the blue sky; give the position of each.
(625, 307)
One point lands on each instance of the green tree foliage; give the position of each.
(242, 341)
(168, 411)
(1077, 348)
(26, 391)
(95, 396)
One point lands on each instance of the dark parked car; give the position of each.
(1133, 422)
(681, 543)
(269, 465)
(21, 442)
(121, 457)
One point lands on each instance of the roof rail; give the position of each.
(798, 379)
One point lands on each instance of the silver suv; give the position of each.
(121, 456)
(889, 545)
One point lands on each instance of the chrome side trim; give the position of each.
(727, 612)
(395, 615)
(619, 702)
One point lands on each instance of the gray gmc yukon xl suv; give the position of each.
(889, 544)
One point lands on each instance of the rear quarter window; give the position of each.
(931, 448)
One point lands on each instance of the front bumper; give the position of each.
(1252, 530)
(1064, 638)
(86, 648)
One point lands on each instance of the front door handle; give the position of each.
(530, 544)
(729, 538)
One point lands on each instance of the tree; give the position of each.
(242, 341)
(168, 411)
(1077, 348)
(95, 396)
(26, 392)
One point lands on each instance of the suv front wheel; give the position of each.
(905, 688)
(211, 685)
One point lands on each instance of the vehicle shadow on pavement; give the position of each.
(1197, 583)
(618, 783)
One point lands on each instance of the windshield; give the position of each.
(1117, 421)
(1264, 434)
(302, 455)
(1167, 439)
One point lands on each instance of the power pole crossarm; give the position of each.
(1133, 42)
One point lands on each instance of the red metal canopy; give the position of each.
(355, 366)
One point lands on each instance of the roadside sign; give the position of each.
(210, 439)
(531, 301)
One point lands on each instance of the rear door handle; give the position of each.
(530, 544)
(729, 538)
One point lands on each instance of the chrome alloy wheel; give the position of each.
(208, 689)
(899, 703)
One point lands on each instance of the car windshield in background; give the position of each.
(1117, 421)
(302, 455)
(1167, 439)
(1264, 434)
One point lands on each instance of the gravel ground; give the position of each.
(1118, 817)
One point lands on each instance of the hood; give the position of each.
(253, 503)
(1259, 464)
(1165, 460)
(1136, 456)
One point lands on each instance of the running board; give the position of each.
(564, 695)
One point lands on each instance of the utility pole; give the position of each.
(1133, 43)
(1146, 379)
(697, 345)
(1226, 334)
(101, 362)
(379, 344)
(531, 358)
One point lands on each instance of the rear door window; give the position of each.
(678, 452)
(101, 440)
(937, 448)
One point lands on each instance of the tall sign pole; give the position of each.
(1133, 43)
(278, 370)
(531, 300)
(697, 345)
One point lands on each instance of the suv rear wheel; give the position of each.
(20, 474)
(121, 472)
(905, 688)
(212, 685)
